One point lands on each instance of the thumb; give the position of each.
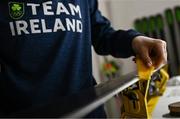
(144, 56)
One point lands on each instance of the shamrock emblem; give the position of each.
(16, 7)
(16, 10)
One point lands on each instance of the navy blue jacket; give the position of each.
(45, 49)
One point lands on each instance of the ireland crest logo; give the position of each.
(16, 10)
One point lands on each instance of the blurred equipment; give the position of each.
(177, 15)
(140, 99)
(175, 109)
(152, 27)
(138, 25)
(145, 26)
(171, 26)
(160, 26)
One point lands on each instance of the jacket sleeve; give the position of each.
(105, 39)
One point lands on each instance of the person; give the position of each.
(45, 49)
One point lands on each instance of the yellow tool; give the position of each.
(140, 99)
(143, 71)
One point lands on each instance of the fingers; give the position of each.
(144, 55)
(151, 51)
(160, 58)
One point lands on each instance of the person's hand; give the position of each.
(151, 51)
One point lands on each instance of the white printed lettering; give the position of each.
(58, 25)
(47, 8)
(70, 24)
(44, 28)
(61, 9)
(33, 8)
(34, 26)
(79, 26)
(12, 28)
(75, 9)
(71, 20)
(21, 27)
